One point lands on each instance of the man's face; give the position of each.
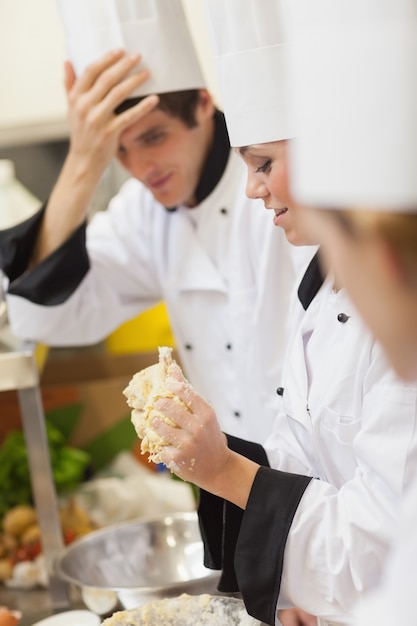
(166, 155)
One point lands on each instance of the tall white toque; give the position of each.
(155, 28)
(354, 90)
(250, 47)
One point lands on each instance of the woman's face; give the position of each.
(268, 180)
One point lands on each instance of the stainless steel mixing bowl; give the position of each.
(127, 564)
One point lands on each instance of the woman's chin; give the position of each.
(296, 238)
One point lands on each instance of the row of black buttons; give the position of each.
(188, 346)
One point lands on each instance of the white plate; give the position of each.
(71, 618)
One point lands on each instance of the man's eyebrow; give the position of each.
(242, 150)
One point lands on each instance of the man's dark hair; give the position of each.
(181, 104)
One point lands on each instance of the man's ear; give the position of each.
(205, 107)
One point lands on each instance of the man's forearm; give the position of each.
(67, 207)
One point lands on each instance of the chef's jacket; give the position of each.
(394, 602)
(222, 268)
(316, 533)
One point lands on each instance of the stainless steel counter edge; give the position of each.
(17, 369)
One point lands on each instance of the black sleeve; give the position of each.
(273, 501)
(220, 521)
(253, 451)
(56, 277)
(16, 245)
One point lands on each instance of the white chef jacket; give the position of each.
(394, 602)
(225, 273)
(348, 422)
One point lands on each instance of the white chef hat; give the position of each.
(354, 88)
(155, 28)
(250, 49)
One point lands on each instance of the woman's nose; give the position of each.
(255, 188)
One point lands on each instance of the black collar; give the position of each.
(217, 159)
(311, 282)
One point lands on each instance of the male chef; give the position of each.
(180, 230)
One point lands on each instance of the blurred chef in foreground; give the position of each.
(364, 109)
(180, 229)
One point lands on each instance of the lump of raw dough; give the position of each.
(186, 610)
(142, 392)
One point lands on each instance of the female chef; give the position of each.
(371, 239)
(313, 529)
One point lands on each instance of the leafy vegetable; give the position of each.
(68, 467)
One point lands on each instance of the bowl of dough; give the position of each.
(128, 564)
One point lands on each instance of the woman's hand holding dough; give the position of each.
(197, 450)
